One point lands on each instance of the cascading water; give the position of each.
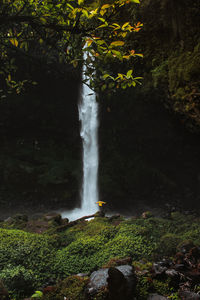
(88, 115)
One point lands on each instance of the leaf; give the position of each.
(125, 24)
(89, 42)
(80, 2)
(117, 43)
(105, 76)
(14, 42)
(140, 55)
(129, 73)
(38, 294)
(85, 12)
(135, 1)
(105, 6)
(102, 19)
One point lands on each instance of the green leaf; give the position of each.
(129, 73)
(38, 294)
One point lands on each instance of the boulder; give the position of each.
(120, 281)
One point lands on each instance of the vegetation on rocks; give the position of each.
(30, 261)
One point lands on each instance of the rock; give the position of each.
(98, 279)
(187, 295)
(55, 217)
(158, 269)
(147, 214)
(104, 277)
(117, 284)
(9, 220)
(3, 292)
(172, 273)
(21, 217)
(156, 297)
(179, 267)
(114, 217)
(82, 274)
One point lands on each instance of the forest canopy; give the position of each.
(60, 31)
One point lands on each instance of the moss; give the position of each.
(144, 287)
(168, 244)
(25, 257)
(72, 288)
(162, 287)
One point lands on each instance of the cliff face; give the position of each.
(149, 136)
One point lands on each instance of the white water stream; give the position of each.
(88, 116)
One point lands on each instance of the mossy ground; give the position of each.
(29, 261)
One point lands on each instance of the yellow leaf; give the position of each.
(125, 24)
(117, 43)
(14, 42)
(89, 42)
(105, 6)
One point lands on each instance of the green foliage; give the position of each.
(19, 280)
(25, 260)
(37, 294)
(29, 260)
(64, 31)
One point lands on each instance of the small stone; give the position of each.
(9, 220)
(172, 273)
(146, 215)
(82, 274)
(187, 295)
(156, 297)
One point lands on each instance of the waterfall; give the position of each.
(88, 116)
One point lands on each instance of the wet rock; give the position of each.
(187, 295)
(104, 277)
(156, 297)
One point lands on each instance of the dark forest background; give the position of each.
(148, 137)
